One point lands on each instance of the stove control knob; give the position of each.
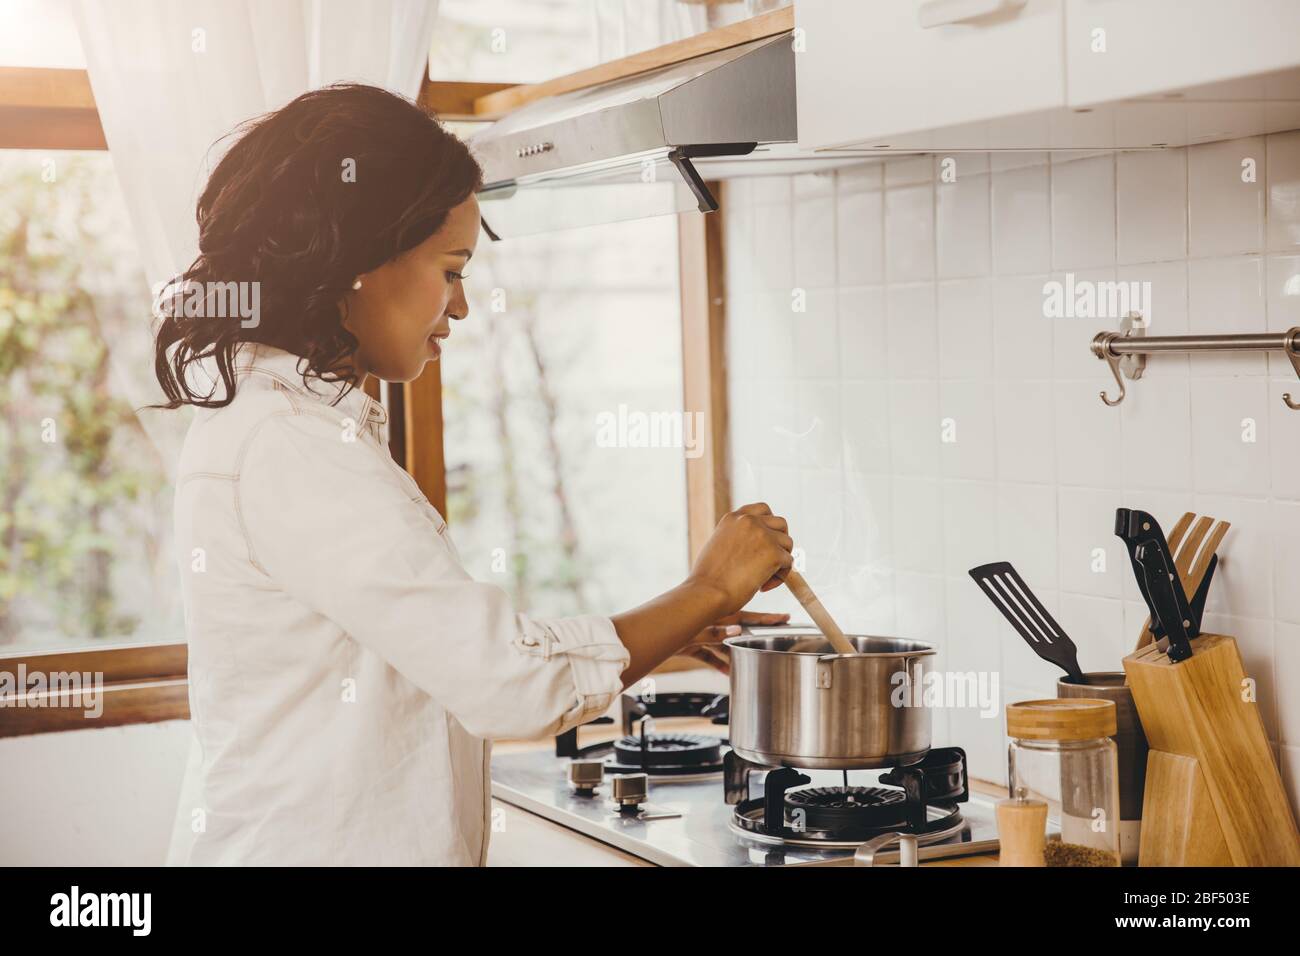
(630, 789)
(586, 775)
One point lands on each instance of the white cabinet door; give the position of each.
(871, 71)
(1122, 49)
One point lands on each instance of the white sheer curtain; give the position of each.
(172, 77)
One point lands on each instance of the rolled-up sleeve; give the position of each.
(331, 522)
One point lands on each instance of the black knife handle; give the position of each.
(1129, 529)
(1168, 599)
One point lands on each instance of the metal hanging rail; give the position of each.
(1126, 351)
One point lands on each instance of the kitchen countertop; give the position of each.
(521, 838)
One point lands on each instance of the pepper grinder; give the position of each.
(1022, 830)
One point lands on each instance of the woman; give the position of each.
(345, 672)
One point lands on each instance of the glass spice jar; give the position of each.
(1062, 754)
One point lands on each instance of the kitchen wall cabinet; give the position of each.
(909, 75)
(869, 72)
(1126, 49)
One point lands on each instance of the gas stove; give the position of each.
(686, 799)
(641, 750)
(919, 800)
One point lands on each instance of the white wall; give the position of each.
(925, 302)
(91, 797)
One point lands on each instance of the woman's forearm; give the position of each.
(658, 629)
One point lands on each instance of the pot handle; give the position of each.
(824, 667)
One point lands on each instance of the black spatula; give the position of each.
(1011, 595)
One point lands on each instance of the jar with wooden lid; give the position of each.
(1062, 755)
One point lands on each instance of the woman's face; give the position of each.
(404, 309)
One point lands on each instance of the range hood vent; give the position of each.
(644, 145)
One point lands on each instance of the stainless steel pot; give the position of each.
(796, 703)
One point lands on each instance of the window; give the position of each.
(564, 486)
(573, 339)
(85, 527)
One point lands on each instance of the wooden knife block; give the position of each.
(1213, 795)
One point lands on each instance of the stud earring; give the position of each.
(357, 284)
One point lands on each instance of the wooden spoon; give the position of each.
(805, 596)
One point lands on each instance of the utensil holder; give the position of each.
(1213, 794)
(1131, 744)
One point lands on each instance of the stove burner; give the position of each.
(842, 808)
(660, 750)
(634, 713)
(921, 799)
(748, 820)
(837, 798)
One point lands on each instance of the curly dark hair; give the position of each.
(281, 210)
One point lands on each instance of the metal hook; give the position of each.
(1131, 364)
(1112, 360)
(1289, 347)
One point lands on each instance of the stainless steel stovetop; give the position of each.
(701, 833)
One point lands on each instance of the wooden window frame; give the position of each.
(44, 108)
(137, 683)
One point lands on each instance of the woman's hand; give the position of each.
(707, 645)
(748, 552)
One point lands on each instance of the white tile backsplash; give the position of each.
(1282, 301)
(1027, 532)
(1158, 435)
(1284, 190)
(912, 331)
(1151, 205)
(860, 238)
(814, 242)
(970, 524)
(1228, 295)
(816, 331)
(866, 427)
(1225, 197)
(773, 248)
(925, 303)
(967, 436)
(1023, 415)
(1022, 220)
(962, 226)
(1022, 337)
(1089, 437)
(1083, 213)
(1093, 560)
(862, 333)
(909, 232)
(918, 524)
(914, 427)
(966, 328)
(1231, 442)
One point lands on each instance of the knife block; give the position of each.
(1213, 795)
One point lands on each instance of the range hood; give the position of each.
(644, 145)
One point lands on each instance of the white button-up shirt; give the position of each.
(345, 671)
